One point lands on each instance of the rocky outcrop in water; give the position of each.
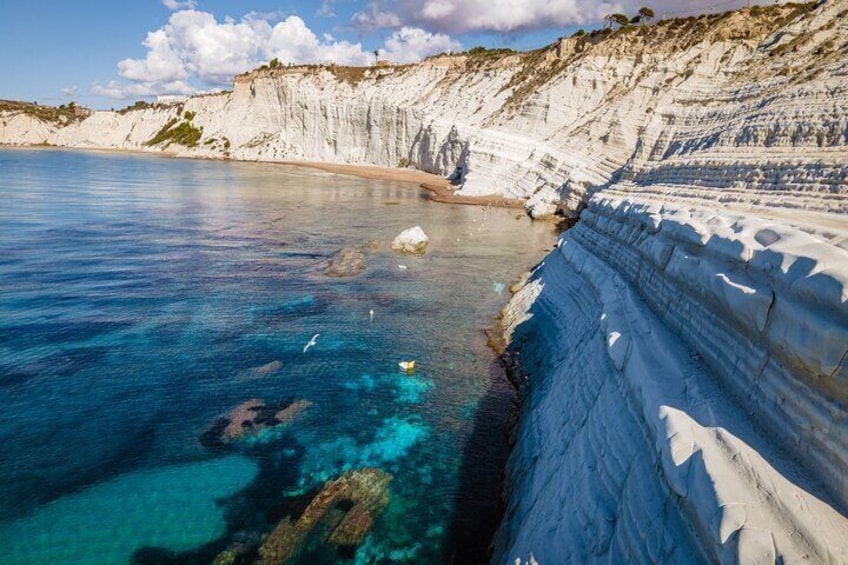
(412, 241)
(350, 261)
(250, 419)
(341, 514)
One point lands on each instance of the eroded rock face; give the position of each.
(413, 241)
(251, 418)
(341, 514)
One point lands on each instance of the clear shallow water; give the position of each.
(138, 295)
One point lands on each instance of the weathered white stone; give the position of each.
(412, 240)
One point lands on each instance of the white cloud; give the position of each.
(291, 41)
(480, 15)
(70, 91)
(458, 16)
(195, 50)
(410, 45)
(176, 5)
(123, 91)
(326, 9)
(374, 17)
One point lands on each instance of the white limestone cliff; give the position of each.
(686, 344)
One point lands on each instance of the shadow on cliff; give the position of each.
(478, 499)
(564, 319)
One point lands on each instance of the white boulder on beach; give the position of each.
(412, 240)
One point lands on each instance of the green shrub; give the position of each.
(182, 134)
(139, 105)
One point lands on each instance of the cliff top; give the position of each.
(62, 114)
(664, 36)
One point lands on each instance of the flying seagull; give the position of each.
(312, 342)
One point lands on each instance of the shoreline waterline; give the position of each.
(439, 188)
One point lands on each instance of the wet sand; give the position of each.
(439, 187)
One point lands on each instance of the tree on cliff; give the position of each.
(645, 15)
(619, 19)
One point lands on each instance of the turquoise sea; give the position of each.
(142, 299)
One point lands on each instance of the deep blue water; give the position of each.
(138, 295)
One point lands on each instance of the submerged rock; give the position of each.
(266, 369)
(413, 241)
(350, 261)
(239, 552)
(251, 418)
(347, 262)
(291, 412)
(341, 514)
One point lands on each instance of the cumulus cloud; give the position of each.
(458, 16)
(70, 91)
(375, 17)
(176, 5)
(481, 15)
(195, 50)
(291, 41)
(326, 9)
(410, 45)
(194, 44)
(114, 89)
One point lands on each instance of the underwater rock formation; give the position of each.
(341, 514)
(250, 419)
(350, 261)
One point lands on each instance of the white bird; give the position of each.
(312, 342)
(371, 314)
(402, 267)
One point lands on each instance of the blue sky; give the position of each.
(108, 54)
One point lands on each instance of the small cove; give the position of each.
(143, 298)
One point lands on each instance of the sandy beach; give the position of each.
(439, 187)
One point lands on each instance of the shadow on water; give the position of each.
(478, 500)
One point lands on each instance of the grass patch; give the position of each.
(181, 133)
(140, 105)
(480, 52)
(350, 75)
